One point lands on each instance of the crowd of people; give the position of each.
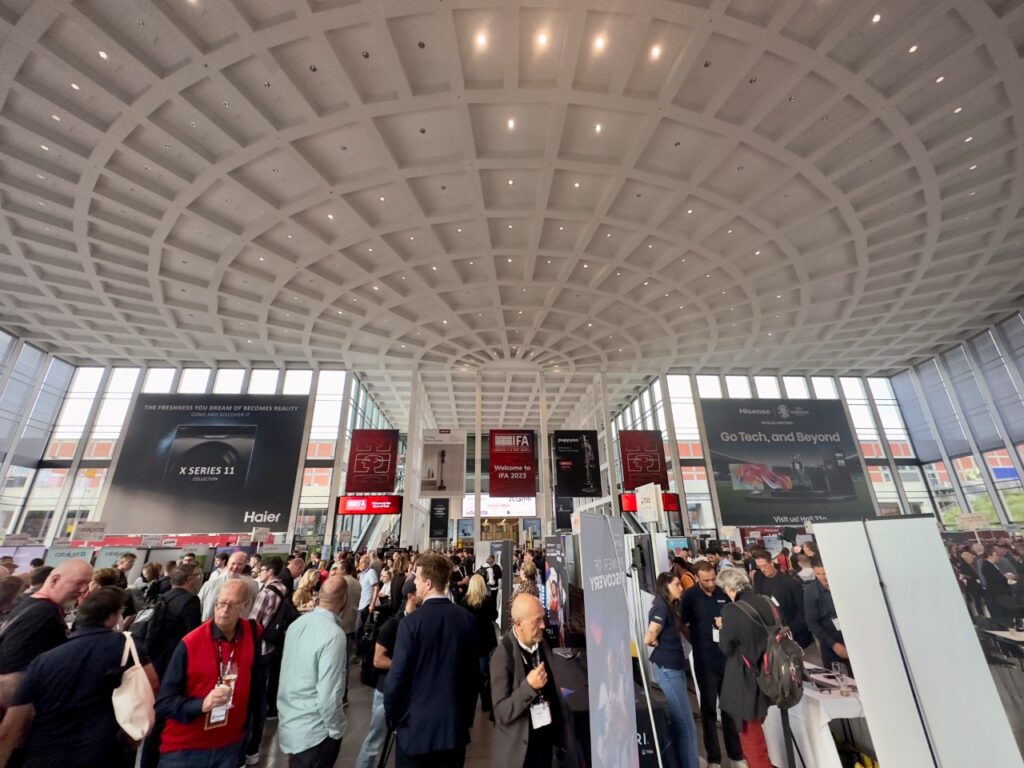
(991, 578)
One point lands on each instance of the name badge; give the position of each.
(835, 623)
(715, 634)
(216, 718)
(775, 601)
(540, 715)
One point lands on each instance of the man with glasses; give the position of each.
(235, 570)
(207, 691)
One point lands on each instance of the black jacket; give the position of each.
(485, 616)
(181, 613)
(789, 595)
(742, 638)
(820, 611)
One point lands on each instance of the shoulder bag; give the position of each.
(134, 701)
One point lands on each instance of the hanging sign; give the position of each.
(372, 458)
(369, 505)
(513, 460)
(439, 513)
(443, 470)
(643, 458)
(577, 468)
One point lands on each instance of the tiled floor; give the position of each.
(478, 755)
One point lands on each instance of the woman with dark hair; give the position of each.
(73, 725)
(664, 634)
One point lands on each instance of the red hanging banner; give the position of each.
(372, 459)
(643, 458)
(513, 461)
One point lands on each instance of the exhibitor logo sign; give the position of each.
(513, 465)
(517, 443)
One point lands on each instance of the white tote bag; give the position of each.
(134, 702)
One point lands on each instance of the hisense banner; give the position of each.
(207, 464)
(513, 462)
(643, 458)
(577, 467)
(372, 459)
(782, 462)
(443, 471)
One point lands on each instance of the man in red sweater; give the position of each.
(205, 693)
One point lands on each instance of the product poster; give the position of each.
(782, 462)
(439, 514)
(563, 513)
(372, 460)
(577, 466)
(513, 462)
(207, 464)
(643, 458)
(443, 471)
(556, 592)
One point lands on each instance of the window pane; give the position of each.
(74, 414)
(916, 491)
(1007, 483)
(941, 485)
(972, 484)
(12, 493)
(796, 387)
(767, 387)
(193, 381)
(698, 498)
(709, 386)
(42, 501)
(314, 502)
(14, 400)
(228, 381)
(158, 381)
(824, 388)
(263, 381)
(34, 438)
(684, 416)
(738, 386)
(297, 382)
(85, 495)
(112, 414)
(886, 495)
(323, 433)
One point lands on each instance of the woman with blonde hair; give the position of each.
(303, 597)
(478, 601)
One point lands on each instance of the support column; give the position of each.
(297, 492)
(673, 449)
(478, 462)
(716, 508)
(883, 438)
(609, 446)
(544, 457)
(414, 452)
(339, 463)
(856, 442)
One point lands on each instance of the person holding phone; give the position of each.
(206, 692)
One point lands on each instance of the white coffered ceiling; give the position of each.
(627, 186)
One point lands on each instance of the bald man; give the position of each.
(235, 570)
(37, 623)
(311, 716)
(531, 722)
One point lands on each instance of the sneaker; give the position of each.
(252, 759)
(740, 764)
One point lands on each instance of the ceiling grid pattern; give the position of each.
(503, 190)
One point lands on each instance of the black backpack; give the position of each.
(366, 647)
(286, 613)
(780, 673)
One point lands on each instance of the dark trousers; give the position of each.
(258, 702)
(350, 649)
(323, 755)
(451, 758)
(709, 681)
(150, 757)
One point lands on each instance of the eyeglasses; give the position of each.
(223, 604)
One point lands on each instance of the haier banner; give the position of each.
(643, 458)
(577, 468)
(372, 458)
(439, 514)
(443, 471)
(513, 460)
(207, 463)
(782, 462)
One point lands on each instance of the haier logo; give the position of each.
(262, 517)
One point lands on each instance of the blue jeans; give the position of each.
(225, 757)
(373, 744)
(680, 715)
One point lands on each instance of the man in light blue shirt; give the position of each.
(311, 719)
(368, 596)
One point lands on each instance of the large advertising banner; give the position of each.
(577, 468)
(372, 459)
(782, 462)
(443, 471)
(613, 724)
(207, 463)
(513, 460)
(439, 514)
(643, 458)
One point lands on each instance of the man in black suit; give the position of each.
(430, 693)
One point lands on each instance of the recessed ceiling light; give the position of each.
(411, 237)
(968, 140)
(370, 250)
(458, 229)
(75, 87)
(607, 234)
(940, 78)
(340, 312)
(958, 110)
(586, 266)
(330, 216)
(40, 176)
(261, 258)
(729, 232)
(381, 198)
(561, 229)
(103, 55)
(576, 185)
(511, 182)
(434, 268)
(55, 117)
(778, 295)
(511, 123)
(481, 40)
(646, 282)
(248, 341)
(471, 263)
(689, 211)
(549, 261)
(509, 260)
(876, 18)
(912, 49)
(597, 128)
(655, 53)
(291, 237)
(972, 167)
(510, 226)
(44, 148)
(376, 287)
(445, 322)
(650, 245)
(599, 43)
(971, 193)
(542, 39)
(757, 253)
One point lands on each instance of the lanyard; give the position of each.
(532, 661)
(224, 664)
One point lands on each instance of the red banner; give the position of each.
(669, 501)
(513, 463)
(369, 505)
(372, 459)
(643, 458)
